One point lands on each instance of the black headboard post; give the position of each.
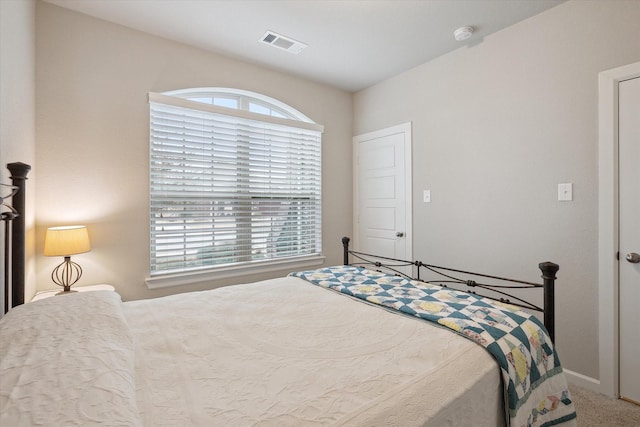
(19, 173)
(345, 245)
(7, 217)
(549, 271)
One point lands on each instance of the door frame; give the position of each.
(405, 129)
(608, 226)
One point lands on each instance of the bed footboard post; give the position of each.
(549, 271)
(345, 246)
(19, 173)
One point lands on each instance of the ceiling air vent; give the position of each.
(282, 42)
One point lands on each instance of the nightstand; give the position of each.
(50, 293)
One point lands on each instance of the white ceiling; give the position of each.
(353, 44)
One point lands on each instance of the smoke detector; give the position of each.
(462, 33)
(283, 42)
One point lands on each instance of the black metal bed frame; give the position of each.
(446, 276)
(14, 237)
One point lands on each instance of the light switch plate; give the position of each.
(565, 192)
(426, 196)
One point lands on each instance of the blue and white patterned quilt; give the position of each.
(536, 391)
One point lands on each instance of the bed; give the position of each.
(344, 345)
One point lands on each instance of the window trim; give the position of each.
(258, 267)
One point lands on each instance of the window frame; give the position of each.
(293, 118)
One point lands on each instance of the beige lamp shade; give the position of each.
(66, 241)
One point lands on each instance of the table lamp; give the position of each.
(66, 241)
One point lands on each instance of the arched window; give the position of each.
(235, 182)
(238, 99)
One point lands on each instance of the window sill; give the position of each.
(192, 277)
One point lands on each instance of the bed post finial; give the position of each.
(19, 173)
(549, 271)
(345, 246)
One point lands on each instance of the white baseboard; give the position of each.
(582, 381)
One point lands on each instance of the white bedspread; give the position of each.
(67, 361)
(287, 353)
(274, 353)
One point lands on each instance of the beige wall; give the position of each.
(496, 126)
(17, 110)
(93, 78)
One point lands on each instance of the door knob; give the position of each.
(399, 234)
(633, 258)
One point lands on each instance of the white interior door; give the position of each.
(629, 211)
(382, 205)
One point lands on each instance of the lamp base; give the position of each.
(66, 274)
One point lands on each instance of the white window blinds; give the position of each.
(230, 187)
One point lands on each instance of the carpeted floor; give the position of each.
(597, 410)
